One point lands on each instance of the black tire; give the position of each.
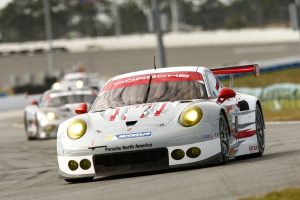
(79, 180)
(25, 123)
(26, 128)
(224, 138)
(37, 129)
(260, 131)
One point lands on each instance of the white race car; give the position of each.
(41, 118)
(78, 80)
(160, 119)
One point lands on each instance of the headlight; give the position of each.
(50, 116)
(190, 116)
(79, 84)
(76, 129)
(56, 86)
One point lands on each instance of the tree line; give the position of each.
(23, 20)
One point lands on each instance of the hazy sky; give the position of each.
(4, 2)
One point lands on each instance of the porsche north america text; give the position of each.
(128, 147)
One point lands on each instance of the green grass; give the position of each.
(265, 79)
(289, 110)
(287, 194)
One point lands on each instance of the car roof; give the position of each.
(162, 70)
(58, 93)
(75, 75)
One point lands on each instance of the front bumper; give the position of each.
(108, 164)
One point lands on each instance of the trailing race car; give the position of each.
(78, 81)
(161, 119)
(41, 118)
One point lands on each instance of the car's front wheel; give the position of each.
(260, 131)
(224, 138)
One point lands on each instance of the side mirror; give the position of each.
(35, 103)
(226, 93)
(82, 108)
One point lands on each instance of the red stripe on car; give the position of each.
(245, 134)
(156, 78)
(113, 117)
(163, 106)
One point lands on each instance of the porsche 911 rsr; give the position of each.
(41, 118)
(78, 80)
(160, 119)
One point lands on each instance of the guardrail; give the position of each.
(277, 96)
(16, 102)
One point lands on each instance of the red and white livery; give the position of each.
(160, 119)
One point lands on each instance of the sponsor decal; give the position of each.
(129, 147)
(127, 135)
(253, 148)
(211, 136)
(109, 138)
(134, 135)
(156, 78)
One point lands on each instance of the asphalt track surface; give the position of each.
(28, 170)
(109, 63)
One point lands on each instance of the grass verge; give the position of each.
(265, 79)
(282, 115)
(287, 194)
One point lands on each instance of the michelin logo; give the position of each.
(133, 135)
(127, 136)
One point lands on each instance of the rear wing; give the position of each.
(254, 68)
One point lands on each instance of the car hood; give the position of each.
(125, 118)
(109, 128)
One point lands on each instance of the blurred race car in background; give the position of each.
(42, 117)
(78, 80)
(161, 119)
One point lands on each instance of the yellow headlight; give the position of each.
(50, 116)
(191, 116)
(76, 129)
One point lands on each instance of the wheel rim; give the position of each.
(260, 132)
(223, 130)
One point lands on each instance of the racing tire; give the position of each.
(224, 139)
(26, 129)
(38, 130)
(260, 132)
(26, 124)
(79, 180)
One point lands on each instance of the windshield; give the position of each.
(161, 90)
(69, 99)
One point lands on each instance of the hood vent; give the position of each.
(131, 123)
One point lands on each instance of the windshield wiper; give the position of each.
(102, 110)
(96, 111)
(148, 90)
